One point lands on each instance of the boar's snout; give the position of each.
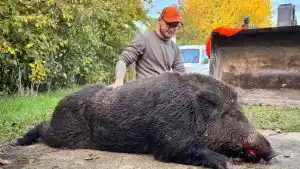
(258, 147)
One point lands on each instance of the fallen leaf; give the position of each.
(4, 162)
(91, 157)
(278, 130)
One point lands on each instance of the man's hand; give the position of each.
(120, 74)
(116, 84)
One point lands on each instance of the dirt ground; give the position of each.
(39, 156)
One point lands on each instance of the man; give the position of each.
(153, 52)
(246, 22)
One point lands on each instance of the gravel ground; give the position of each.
(39, 156)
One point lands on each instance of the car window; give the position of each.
(204, 58)
(190, 55)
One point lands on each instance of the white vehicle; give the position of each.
(195, 58)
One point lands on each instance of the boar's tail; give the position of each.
(33, 135)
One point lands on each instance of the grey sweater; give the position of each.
(152, 55)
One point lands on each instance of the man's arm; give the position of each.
(120, 71)
(129, 55)
(178, 65)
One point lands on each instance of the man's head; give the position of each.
(169, 22)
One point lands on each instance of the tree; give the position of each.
(206, 15)
(188, 34)
(151, 24)
(54, 43)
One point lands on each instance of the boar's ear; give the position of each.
(206, 104)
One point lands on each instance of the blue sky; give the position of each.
(160, 4)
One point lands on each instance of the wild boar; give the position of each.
(182, 118)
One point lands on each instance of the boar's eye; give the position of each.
(224, 114)
(233, 114)
(238, 115)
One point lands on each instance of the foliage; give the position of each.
(37, 71)
(53, 43)
(151, 24)
(206, 15)
(188, 34)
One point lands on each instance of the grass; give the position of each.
(273, 118)
(17, 114)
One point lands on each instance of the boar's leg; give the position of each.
(193, 155)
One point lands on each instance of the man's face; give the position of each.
(168, 29)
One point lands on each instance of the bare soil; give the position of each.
(39, 156)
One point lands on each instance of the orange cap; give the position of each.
(171, 14)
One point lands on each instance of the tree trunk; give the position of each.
(20, 86)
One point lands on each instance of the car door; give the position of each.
(204, 63)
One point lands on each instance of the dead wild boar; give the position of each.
(182, 118)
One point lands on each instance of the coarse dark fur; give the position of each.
(183, 118)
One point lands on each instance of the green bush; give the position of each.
(51, 44)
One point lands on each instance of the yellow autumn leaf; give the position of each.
(29, 45)
(206, 15)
